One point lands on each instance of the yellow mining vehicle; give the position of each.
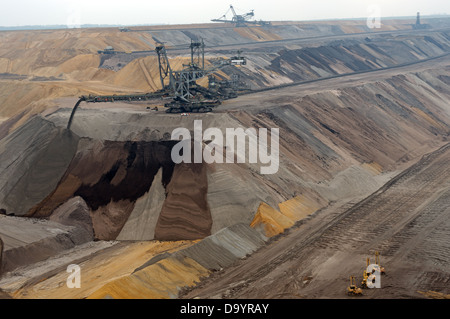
(352, 290)
(365, 274)
(377, 261)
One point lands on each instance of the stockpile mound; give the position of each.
(164, 276)
(110, 177)
(100, 262)
(29, 240)
(32, 161)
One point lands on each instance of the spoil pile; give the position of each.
(110, 177)
(164, 276)
(29, 240)
(32, 161)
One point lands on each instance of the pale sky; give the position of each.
(138, 12)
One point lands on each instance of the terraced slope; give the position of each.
(406, 220)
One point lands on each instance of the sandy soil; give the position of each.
(406, 220)
(100, 263)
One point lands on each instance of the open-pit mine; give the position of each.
(90, 120)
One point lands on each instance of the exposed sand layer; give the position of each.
(100, 262)
(164, 277)
(273, 222)
(225, 247)
(142, 221)
(161, 280)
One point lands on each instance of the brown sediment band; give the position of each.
(185, 213)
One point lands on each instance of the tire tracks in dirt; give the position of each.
(414, 200)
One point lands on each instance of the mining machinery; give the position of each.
(353, 290)
(377, 261)
(366, 275)
(187, 95)
(419, 25)
(179, 86)
(227, 89)
(241, 20)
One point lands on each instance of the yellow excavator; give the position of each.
(352, 290)
(365, 274)
(377, 261)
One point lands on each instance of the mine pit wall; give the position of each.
(287, 62)
(32, 161)
(333, 145)
(110, 176)
(135, 192)
(296, 63)
(133, 189)
(329, 141)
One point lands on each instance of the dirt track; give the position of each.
(407, 220)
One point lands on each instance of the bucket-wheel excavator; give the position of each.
(241, 20)
(186, 94)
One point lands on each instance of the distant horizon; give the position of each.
(22, 14)
(102, 25)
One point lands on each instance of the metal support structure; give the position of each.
(197, 54)
(182, 84)
(241, 20)
(164, 66)
(184, 80)
(187, 95)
